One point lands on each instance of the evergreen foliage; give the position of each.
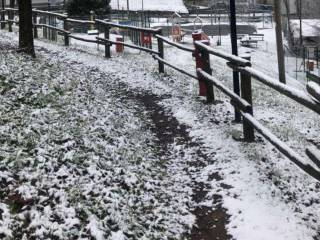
(83, 7)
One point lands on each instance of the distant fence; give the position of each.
(203, 73)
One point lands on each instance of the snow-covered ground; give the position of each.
(77, 158)
(82, 157)
(310, 27)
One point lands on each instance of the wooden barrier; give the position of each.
(249, 122)
(79, 21)
(11, 13)
(54, 14)
(35, 22)
(294, 94)
(139, 29)
(108, 25)
(226, 56)
(148, 50)
(161, 51)
(193, 76)
(3, 19)
(235, 99)
(282, 147)
(97, 41)
(246, 94)
(177, 45)
(244, 103)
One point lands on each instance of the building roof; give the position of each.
(150, 5)
(310, 27)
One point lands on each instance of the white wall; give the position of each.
(41, 2)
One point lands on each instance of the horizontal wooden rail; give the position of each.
(12, 21)
(314, 155)
(148, 50)
(282, 147)
(175, 67)
(140, 29)
(313, 89)
(52, 28)
(85, 39)
(12, 9)
(71, 20)
(58, 15)
(229, 57)
(236, 100)
(177, 45)
(294, 94)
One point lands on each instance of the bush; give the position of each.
(83, 7)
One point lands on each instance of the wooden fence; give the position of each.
(201, 50)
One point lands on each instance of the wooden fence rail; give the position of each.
(249, 122)
(177, 45)
(292, 93)
(139, 29)
(242, 103)
(179, 69)
(284, 148)
(47, 13)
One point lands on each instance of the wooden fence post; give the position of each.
(160, 52)
(66, 34)
(205, 66)
(35, 28)
(3, 18)
(246, 94)
(10, 19)
(107, 44)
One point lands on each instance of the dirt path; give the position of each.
(210, 223)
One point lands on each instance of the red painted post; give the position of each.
(119, 46)
(146, 39)
(198, 36)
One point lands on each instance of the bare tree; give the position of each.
(299, 7)
(288, 15)
(280, 50)
(26, 27)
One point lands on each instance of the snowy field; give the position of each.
(80, 158)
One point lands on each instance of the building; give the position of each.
(149, 5)
(42, 3)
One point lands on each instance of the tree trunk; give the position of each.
(280, 51)
(288, 13)
(25, 27)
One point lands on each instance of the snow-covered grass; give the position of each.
(78, 159)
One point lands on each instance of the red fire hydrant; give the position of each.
(119, 46)
(197, 36)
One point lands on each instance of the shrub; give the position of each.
(83, 7)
